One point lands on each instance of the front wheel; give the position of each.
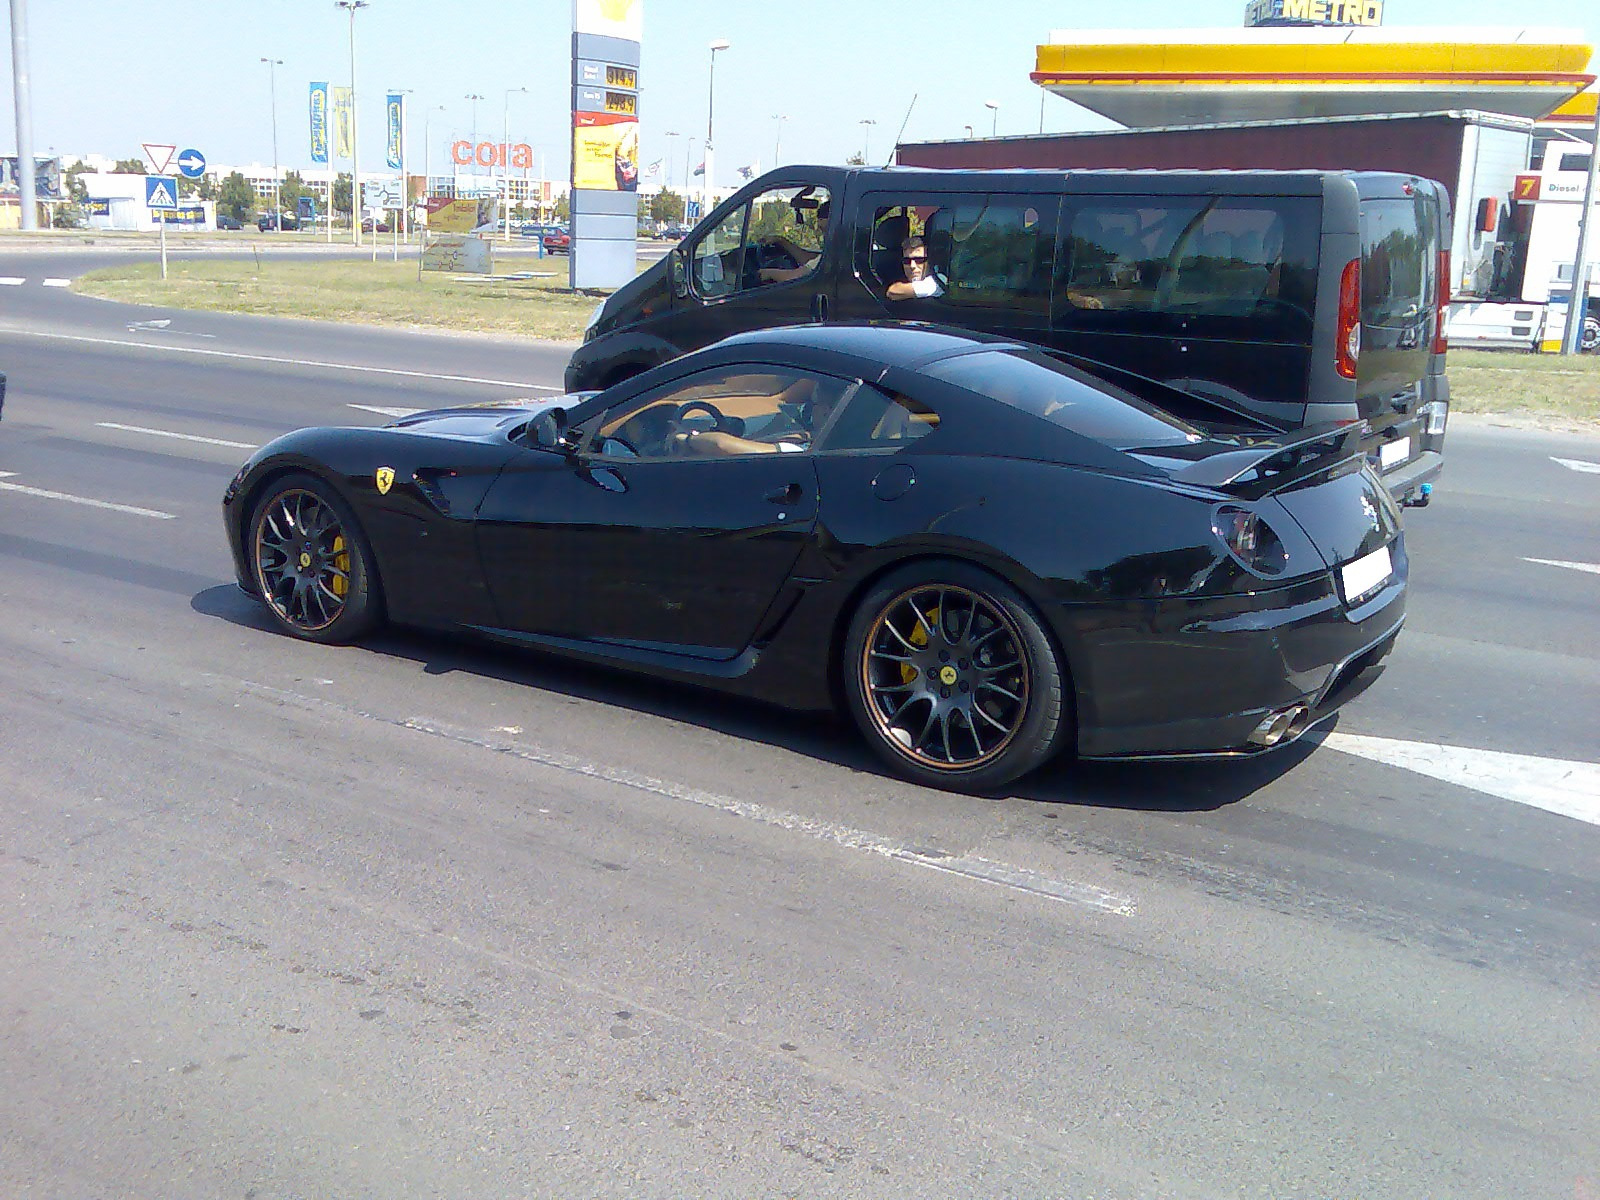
(312, 563)
(953, 679)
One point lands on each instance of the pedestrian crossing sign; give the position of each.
(160, 191)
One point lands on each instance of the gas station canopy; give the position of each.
(1201, 76)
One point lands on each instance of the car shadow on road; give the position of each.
(1192, 786)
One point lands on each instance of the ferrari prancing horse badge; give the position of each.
(385, 480)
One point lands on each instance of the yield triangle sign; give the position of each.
(158, 156)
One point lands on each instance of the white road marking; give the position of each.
(58, 283)
(1555, 785)
(187, 437)
(84, 500)
(268, 358)
(1577, 464)
(387, 412)
(968, 866)
(1593, 568)
(12, 280)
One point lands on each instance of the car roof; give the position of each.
(885, 343)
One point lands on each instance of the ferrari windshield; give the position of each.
(1066, 396)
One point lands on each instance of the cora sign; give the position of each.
(491, 154)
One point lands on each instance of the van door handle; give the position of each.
(789, 494)
(819, 307)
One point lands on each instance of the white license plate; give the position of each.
(1391, 453)
(1365, 573)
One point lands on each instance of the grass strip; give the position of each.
(368, 293)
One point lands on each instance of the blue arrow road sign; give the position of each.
(192, 163)
(160, 191)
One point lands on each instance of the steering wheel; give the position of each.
(762, 255)
(719, 419)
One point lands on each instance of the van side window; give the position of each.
(986, 252)
(994, 251)
(1240, 267)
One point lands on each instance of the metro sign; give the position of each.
(491, 154)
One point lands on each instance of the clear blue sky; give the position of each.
(110, 74)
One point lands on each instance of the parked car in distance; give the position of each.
(271, 221)
(557, 241)
(224, 221)
(367, 225)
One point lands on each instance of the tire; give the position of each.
(953, 679)
(1589, 335)
(312, 564)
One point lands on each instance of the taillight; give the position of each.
(1347, 331)
(1440, 344)
(1250, 540)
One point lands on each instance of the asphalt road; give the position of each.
(425, 918)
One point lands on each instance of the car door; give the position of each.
(668, 530)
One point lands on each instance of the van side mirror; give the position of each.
(680, 278)
(550, 432)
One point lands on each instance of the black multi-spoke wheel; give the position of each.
(953, 678)
(311, 562)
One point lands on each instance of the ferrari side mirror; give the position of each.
(551, 433)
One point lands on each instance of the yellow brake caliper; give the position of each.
(918, 638)
(341, 560)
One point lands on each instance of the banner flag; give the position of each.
(343, 118)
(319, 122)
(395, 105)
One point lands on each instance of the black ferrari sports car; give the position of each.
(983, 551)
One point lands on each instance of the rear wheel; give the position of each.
(312, 563)
(953, 679)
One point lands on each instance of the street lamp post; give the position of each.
(277, 187)
(711, 93)
(994, 107)
(505, 159)
(866, 141)
(777, 138)
(355, 130)
(968, 128)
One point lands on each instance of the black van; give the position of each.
(1305, 296)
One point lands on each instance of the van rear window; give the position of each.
(1398, 260)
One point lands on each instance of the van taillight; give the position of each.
(1442, 308)
(1347, 332)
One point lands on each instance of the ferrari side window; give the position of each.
(720, 413)
(879, 420)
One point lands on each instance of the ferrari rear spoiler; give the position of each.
(1272, 465)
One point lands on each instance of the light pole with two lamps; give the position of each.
(866, 141)
(355, 140)
(994, 107)
(474, 98)
(777, 138)
(711, 95)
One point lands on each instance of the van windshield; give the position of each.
(1398, 242)
(1065, 396)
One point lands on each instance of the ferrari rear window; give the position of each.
(1065, 396)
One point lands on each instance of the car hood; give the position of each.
(488, 420)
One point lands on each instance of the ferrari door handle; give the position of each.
(789, 494)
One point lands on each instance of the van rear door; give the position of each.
(1399, 292)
